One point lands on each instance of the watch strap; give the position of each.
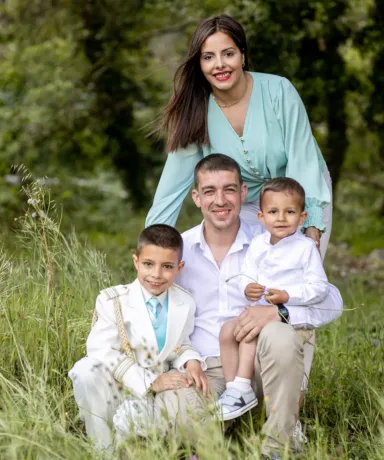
(283, 312)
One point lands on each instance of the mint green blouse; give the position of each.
(277, 141)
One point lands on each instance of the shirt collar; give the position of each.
(244, 236)
(147, 295)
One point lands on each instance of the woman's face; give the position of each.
(221, 61)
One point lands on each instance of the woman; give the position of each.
(257, 119)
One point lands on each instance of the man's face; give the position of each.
(219, 195)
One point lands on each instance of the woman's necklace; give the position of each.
(233, 103)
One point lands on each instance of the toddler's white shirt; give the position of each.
(293, 265)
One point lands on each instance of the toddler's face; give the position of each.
(156, 268)
(281, 214)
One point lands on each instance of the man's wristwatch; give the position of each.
(283, 312)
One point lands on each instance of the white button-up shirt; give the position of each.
(218, 300)
(293, 265)
(148, 296)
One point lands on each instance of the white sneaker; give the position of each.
(233, 403)
(299, 437)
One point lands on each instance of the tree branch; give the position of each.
(365, 181)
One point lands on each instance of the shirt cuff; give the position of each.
(188, 355)
(299, 317)
(203, 364)
(138, 379)
(314, 218)
(295, 294)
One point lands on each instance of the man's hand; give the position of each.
(252, 320)
(276, 296)
(314, 234)
(194, 373)
(169, 381)
(254, 291)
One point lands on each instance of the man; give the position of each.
(213, 254)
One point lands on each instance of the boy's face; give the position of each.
(281, 214)
(156, 268)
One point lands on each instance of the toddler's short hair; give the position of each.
(161, 235)
(283, 184)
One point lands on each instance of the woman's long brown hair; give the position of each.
(185, 116)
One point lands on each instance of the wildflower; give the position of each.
(33, 202)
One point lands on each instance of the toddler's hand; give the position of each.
(254, 291)
(276, 296)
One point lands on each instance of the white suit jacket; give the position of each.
(104, 343)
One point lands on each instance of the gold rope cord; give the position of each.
(126, 346)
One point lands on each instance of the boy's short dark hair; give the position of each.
(283, 184)
(216, 162)
(161, 235)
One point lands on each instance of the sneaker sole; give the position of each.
(239, 412)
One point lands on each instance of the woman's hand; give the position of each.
(254, 291)
(169, 381)
(196, 375)
(315, 234)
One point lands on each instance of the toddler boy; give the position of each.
(282, 267)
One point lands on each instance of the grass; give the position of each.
(48, 288)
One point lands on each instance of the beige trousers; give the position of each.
(279, 372)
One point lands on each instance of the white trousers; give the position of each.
(98, 397)
(249, 212)
(105, 408)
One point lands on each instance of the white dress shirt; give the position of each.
(293, 265)
(148, 296)
(218, 300)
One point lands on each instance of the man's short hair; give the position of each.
(283, 184)
(216, 162)
(160, 235)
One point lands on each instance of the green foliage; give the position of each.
(82, 83)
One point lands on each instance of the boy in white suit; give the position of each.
(142, 331)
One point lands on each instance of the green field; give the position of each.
(49, 283)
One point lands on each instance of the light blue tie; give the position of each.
(155, 306)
